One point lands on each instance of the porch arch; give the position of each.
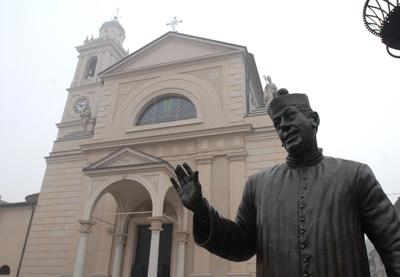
(105, 187)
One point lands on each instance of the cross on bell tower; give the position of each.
(173, 23)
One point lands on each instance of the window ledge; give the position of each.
(162, 125)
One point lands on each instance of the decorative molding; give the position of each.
(166, 167)
(164, 125)
(146, 139)
(153, 179)
(65, 156)
(76, 135)
(237, 156)
(69, 123)
(98, 43)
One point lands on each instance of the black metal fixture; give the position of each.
(382, 18)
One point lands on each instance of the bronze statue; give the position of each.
(305, 217)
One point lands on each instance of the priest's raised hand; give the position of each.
(189, 188)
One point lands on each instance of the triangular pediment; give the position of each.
(172, 48)
(125, 157)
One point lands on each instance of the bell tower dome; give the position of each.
(112, 30)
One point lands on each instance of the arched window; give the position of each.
(166, 108)
(5, 270)
(91, 69)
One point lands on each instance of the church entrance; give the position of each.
(141, 264)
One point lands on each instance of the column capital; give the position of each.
(182, 235)
(86, 225)
(237, 156)
(156, 223)
(204, 159)
(120, 238)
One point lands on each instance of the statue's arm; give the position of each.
(380, 221)
(232, 240)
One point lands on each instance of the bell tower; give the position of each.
(95, 55)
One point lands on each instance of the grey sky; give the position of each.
(316, 47)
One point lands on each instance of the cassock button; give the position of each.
(302, 219)
(303, 246)
(304, 259)
(302, 231)
(301, 206)
(305, 274)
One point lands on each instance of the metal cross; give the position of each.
(116, 14)
(173, 23)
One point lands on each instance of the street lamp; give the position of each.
(382, 18)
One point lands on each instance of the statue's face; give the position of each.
(296, 130)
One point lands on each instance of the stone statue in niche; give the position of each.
(85, 117)
(304, 217)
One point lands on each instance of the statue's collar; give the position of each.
(307, 161)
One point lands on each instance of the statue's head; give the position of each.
(295, 122)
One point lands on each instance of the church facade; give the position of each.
(106, 206)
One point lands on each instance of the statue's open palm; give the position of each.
(189, 188)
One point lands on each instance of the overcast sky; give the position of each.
(316, 47)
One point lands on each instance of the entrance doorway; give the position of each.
(141, 264)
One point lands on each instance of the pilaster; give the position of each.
(236, 181)
(86, 225)
(181, 240)
(201, 266)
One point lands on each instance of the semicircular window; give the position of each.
(167, 108)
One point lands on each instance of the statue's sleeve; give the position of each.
(380, 222)
(232, 240)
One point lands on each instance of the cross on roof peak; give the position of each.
(173, 23)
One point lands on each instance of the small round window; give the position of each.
(167, 108)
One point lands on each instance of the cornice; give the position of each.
(88, 86)
(244, 128)
(263, 133)
(98, 43)
(150, 167)
(65, 156)
(69, 123)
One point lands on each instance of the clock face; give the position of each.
(81, 104)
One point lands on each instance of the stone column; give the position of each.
(237, 179)
(119, 253)
(81, 255)
(181, 239)
(156, 228)
(201, 266)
